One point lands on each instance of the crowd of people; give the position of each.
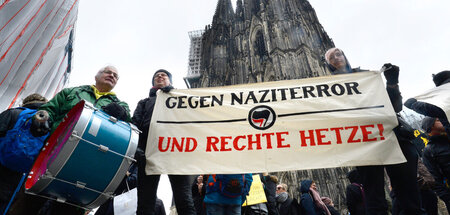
(224, 194)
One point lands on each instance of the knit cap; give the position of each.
(162, 70)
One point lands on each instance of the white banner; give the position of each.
(438, 96)
(323, 122)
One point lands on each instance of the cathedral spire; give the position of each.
(239, 10)
(224, 12)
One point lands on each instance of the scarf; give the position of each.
(318, 202)
(281, 197)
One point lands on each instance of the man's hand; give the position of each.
(140, 156)
(116, 110)
(390, 73)
(167, 89)
(40, 124)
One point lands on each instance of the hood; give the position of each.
(153, 91)
(354, 177)
(304, 186)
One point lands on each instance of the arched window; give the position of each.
(260, 46)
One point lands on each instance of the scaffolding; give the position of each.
(195, 55)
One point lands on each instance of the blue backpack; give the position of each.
(231, 186)
(19, 149)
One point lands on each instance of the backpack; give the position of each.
(231, 186)
(19, 149)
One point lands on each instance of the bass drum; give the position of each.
(85, 158)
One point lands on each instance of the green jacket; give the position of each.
(61, 104)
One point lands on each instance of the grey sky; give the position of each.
(141, 36)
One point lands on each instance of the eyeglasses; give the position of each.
(278, 188)
(109, 72)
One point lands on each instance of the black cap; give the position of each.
(441, 78)
(162, 70)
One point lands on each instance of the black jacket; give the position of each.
(355, 201)
(142, 117)
(429, 110)
(289, 207)
(270, 187)
(436, 157)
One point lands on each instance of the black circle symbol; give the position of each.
(261, 117)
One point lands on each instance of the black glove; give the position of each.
(410, 102)
(391, 73)
(167, 89)
(140, 156)
(40, 124)
(116, 111)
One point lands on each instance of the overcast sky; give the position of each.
(141, 36)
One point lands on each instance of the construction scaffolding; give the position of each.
(195, 55)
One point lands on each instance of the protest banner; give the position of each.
(438, 96)
(323, 122)
(256, 194)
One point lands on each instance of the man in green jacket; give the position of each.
(100, 95)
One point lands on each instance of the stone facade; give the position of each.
(264, 40)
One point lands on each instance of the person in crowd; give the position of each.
(285, 204)
(436, 157)
(355, 194)
(330, 205)
(427, 109)
(10, 179)
(310, 201)
(129, 182)
(402, 176)
(270, 187)
(225, 194)
(101, 96)
(337, 62)
(198, 193)
(426, 184)
(148, 184)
